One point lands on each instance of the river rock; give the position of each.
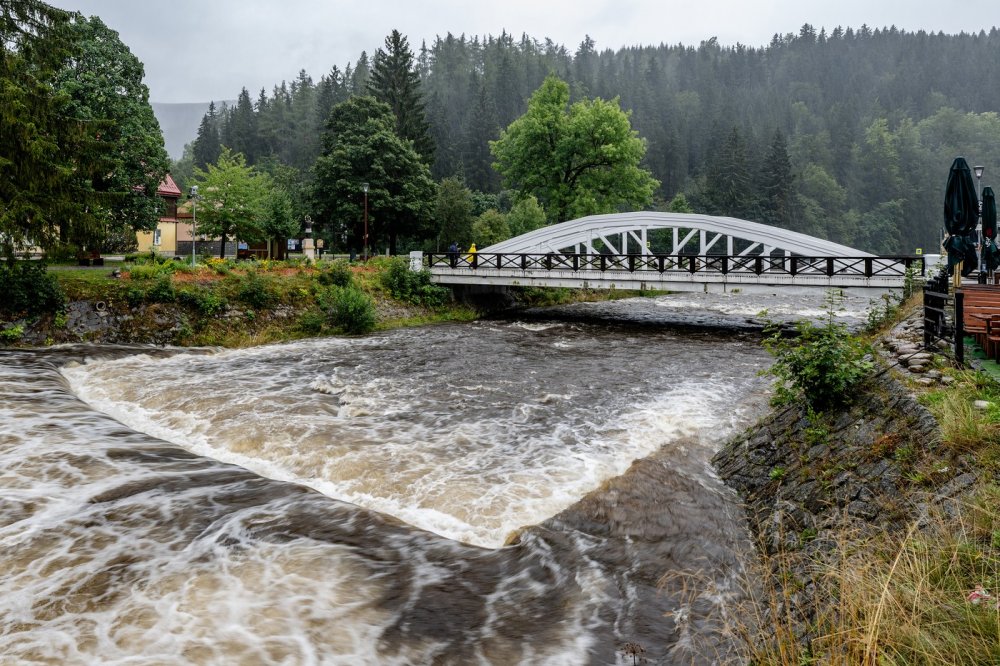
(981, 405)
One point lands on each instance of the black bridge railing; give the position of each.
(884, 266)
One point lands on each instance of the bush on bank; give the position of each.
(26, 287)
(820, 365)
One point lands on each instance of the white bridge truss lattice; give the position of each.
(628, 233)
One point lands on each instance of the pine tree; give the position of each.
(481, 128)
(41, 145)
(777, 185)
(395, 81)
(207, 146)
(243, 137)
(727, 189)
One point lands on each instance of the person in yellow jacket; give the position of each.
(472, 255)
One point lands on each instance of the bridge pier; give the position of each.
(483, 297)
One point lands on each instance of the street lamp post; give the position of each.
(979, 181)
(193, 195)
(364, 254)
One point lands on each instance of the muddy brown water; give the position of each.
(505, 492)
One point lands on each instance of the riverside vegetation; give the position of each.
(153, 299)
(874, 501)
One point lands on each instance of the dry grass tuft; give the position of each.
(928, 596)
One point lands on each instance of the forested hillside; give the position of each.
(846, 134)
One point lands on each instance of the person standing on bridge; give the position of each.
(472, 255)
(453, 254)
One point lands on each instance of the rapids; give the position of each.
(500, 492)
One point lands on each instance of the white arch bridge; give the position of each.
(670, 251)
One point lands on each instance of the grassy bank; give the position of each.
(922, 592)
(233, 304)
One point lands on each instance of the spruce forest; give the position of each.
(845, 134)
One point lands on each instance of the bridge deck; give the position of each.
(672, 272)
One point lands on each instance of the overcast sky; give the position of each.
(200, 50)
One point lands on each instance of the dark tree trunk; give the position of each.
(222, 248)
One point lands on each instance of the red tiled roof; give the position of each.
(168, 188)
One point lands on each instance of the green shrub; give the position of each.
(135, 296)
(146, 271)
(311, 322)
(162, 290)
(412, 286)
(351, 310)
(821, 365)
(257, 291)
(204, 301)
(27, 287)
(337, 273)
(9, 336)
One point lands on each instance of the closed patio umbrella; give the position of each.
(961, 210)
(991, 253)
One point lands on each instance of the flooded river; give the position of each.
(502, 492)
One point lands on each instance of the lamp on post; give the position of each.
(193, 195)
(364, 252)
(979, 181)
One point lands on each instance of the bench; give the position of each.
(981, 316)
(90, 258)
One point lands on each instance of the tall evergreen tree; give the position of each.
(243, 137)
(395, 81)
(727, 189)
(207, 147)
(41, 144)
(776, 185)
(481, 128)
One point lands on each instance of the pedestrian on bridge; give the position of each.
(472, 255)
(453, 254)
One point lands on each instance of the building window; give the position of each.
(156, 237)
(171, 208)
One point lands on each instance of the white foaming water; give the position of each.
(749, 305)
(120, 550)
(472, 452)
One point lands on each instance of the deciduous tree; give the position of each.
(103, 81)
(233, 200)
(576, 160)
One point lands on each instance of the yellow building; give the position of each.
(164, 239)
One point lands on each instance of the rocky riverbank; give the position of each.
(817, 486)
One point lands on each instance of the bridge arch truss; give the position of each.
(629, 233)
